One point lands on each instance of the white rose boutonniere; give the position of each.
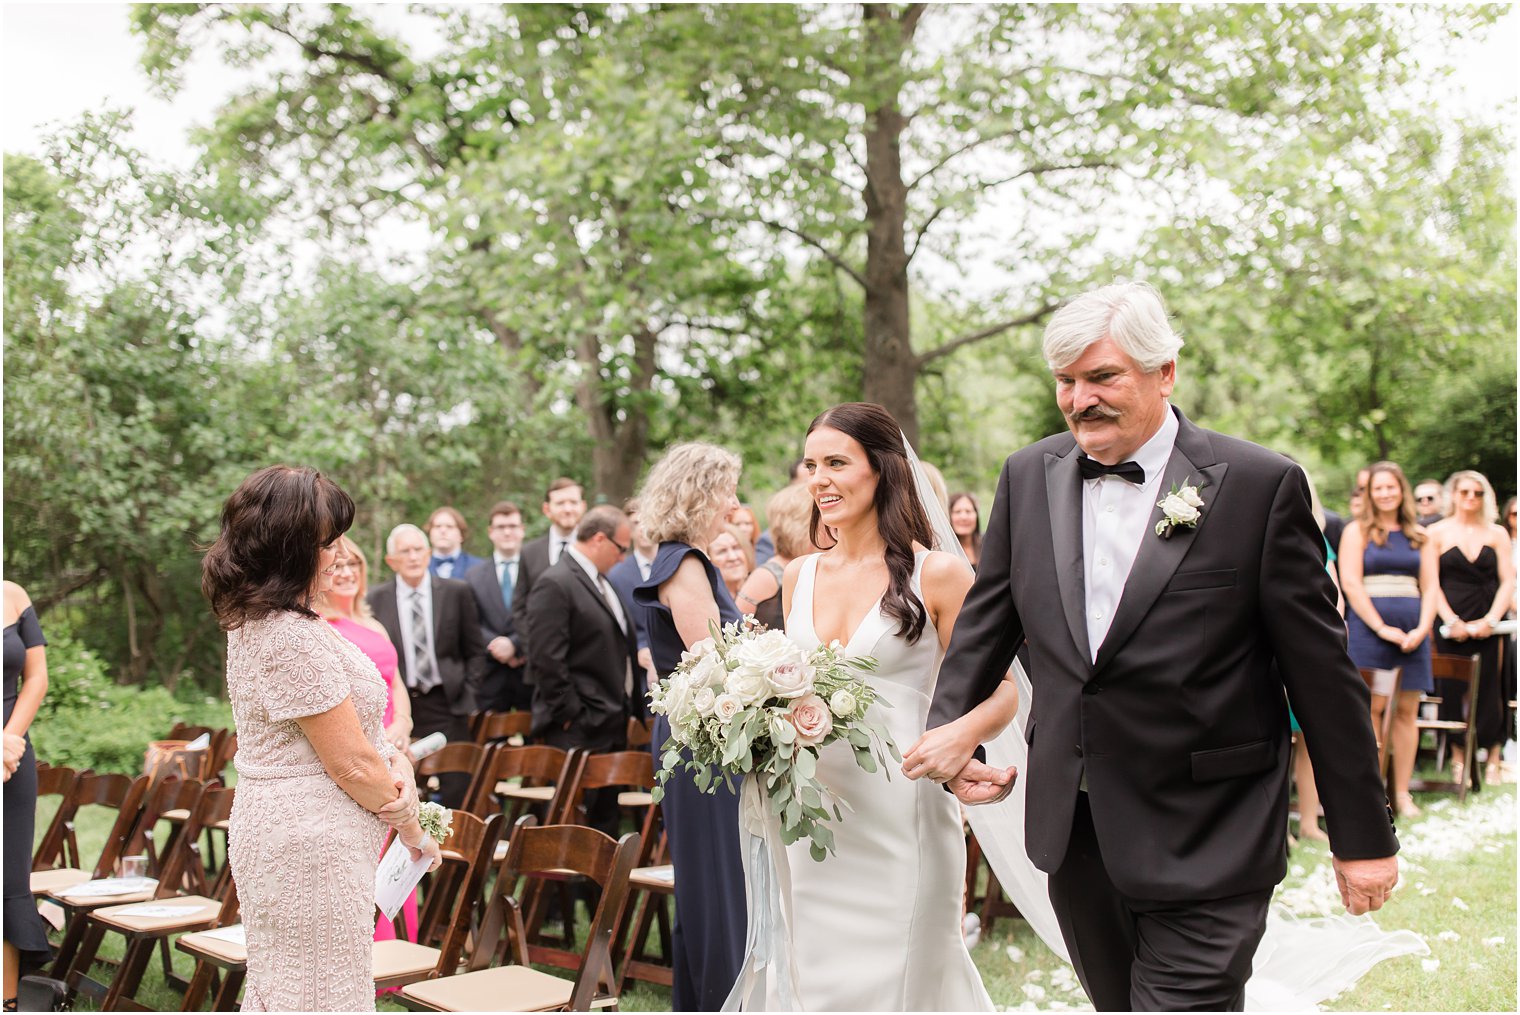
(1181, 508)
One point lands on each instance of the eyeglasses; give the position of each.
(1428, 499)
(621, 549)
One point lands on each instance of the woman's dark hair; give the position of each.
(900, 516)
(976, 533)
(273, 529)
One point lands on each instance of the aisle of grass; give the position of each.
(1458, 892)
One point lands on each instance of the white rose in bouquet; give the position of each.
(747, 683)
(709, 671)
(843, 704)
(677, 697)
(768, 651)
(703, 701)
(726, 706)
(702, 648)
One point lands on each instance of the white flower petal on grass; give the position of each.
(1464, 907)
(1035, 974)
(1430, 965)
(1448, 935)
(1034, 992)
(1014, 953)
(1495, 941)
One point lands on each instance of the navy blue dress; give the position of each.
(703, 828)
(23, 925)
(1367, 649)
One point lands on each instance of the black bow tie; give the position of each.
(1094, 469)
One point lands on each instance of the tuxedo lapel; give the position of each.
(1063, 492)
(1191, 462)
(566, 560)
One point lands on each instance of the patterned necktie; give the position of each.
(506, 585)
(423, 677)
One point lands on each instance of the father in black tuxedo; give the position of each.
(1158, 737)
(436, 631)
(588, 680)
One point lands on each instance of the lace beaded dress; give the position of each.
(303, 852)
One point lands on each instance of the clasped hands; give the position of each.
(944, 754)
(401, 813)
(1407, 641)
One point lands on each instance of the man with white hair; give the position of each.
(1157, 571)
(435, 627)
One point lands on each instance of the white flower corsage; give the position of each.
(1179, 509)
(436, 821)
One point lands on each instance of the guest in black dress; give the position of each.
(1477, 583)
(683, 505)
(26, 944)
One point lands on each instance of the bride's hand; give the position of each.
(940, 752)
(980, 783)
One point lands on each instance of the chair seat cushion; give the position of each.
(177, 815)
(661, 878)
(44, 882)
(635, 798)
(1448, 725)
(525, 792)
(504, 988)
(197, 910)
(394, 959)
(202, 944)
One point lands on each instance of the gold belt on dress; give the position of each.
(1391, 586)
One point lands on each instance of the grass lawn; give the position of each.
(1457, 891)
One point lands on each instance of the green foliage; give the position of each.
(88, 721)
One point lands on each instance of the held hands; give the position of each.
(1459, 631)
(501, 649)
(1392, 634)
(15, 747)
(941, 752)
(1479, 628)
(980, 783)
(1413, 638)
(402, 811)
(1365, 884)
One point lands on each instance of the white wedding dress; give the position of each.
(877, 925)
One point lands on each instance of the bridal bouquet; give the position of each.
(750, 702)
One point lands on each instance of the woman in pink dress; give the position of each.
(345, 608)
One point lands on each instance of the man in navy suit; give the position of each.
(446, 532)
(493, 582)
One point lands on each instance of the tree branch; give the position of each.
(963, 149)
(817, 244)
(910, 18)
(925, 358)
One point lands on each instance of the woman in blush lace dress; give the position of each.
(345, 608)
(317, 780)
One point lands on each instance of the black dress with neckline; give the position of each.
(708, 943)
(1469, 586)
(23, 924)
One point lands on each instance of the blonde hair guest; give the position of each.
(683, 506)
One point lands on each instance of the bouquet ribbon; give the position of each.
(768, 974)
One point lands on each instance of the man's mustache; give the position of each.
(1093, 413)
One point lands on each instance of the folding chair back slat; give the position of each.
(1460, 670)
(487, 727)
(544, 773)
(58, 781)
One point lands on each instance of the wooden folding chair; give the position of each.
(487, 984)
(58, 781)
(490, 727)
(220, 965)
(994, 902)
(143, 931)
(468, 760)
(113, 791)
(1384, 688)
(1454, 669)
(640, 732)
(652, 889)
(450, 894)
(518, 779)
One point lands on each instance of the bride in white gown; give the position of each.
(877, 926)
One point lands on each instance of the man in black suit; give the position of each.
(584, 652)
(564, 503)
(436, 631)
(494, 583)
(1158, 758)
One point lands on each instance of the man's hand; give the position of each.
(501, 649)
(980, 783)
(1365, 884)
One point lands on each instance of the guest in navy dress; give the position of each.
(26, 943)
(683, 506)
(1390, 577)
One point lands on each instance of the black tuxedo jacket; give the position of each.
(533, 561)
(1180, 724)
(456, 638)
(497, 620)
(581, 655)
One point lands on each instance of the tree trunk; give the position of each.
(890, 366)
(619, 446)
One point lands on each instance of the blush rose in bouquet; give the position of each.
(751, 702)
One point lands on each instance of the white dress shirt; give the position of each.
(1116, 516)
(558, 544)
(644, 564)
(404, 595)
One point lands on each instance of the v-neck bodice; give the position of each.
(905, 674)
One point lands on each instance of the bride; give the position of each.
(877, 926)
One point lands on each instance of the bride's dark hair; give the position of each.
(900, 516)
